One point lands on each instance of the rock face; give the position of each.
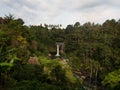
(33, 60)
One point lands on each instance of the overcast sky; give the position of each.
(62, 12)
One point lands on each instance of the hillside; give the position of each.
(89, 59)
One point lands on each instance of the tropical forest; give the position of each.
(50, 57)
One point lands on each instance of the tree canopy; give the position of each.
(92, 51)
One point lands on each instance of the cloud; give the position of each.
(61, 11)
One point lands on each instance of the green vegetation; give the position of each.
(112, 80)
(92, 52)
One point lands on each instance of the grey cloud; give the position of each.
(91, 6)
(88, 6)
(61, 11)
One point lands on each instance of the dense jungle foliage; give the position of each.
(92, 52)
